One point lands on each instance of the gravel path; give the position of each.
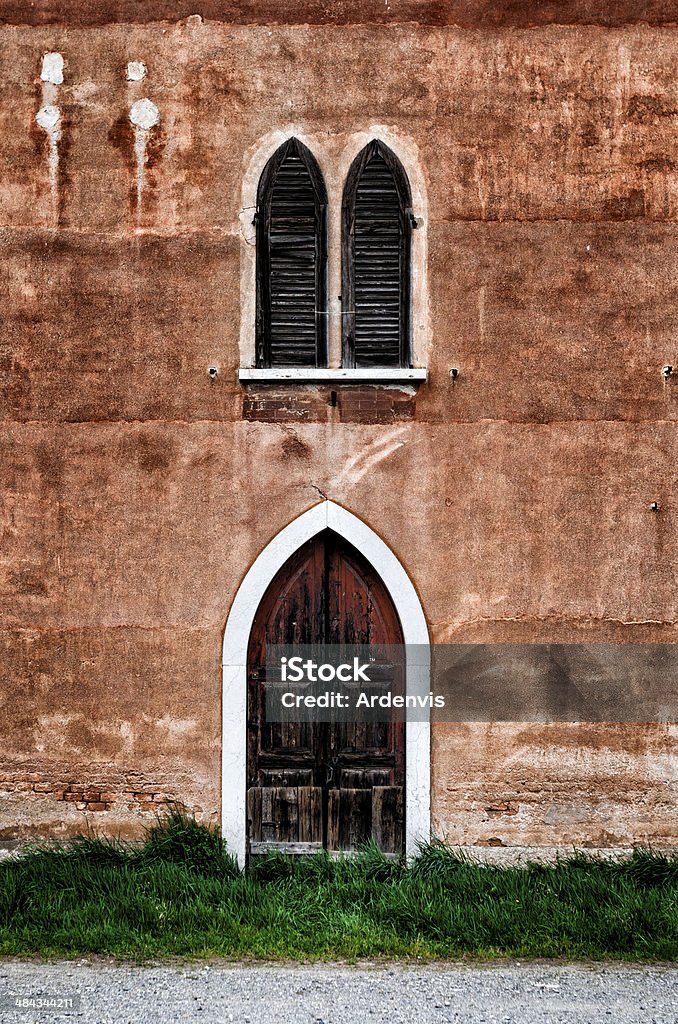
(266, 994)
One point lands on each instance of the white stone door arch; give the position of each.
(326, 515)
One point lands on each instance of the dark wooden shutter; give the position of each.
(376, 289)
(291, 260)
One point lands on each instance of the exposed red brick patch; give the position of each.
(502, 807)
(375, 405)
(288, 405)
(146, 798)
(364, 404)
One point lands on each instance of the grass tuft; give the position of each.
(180, 839)
(182, 894)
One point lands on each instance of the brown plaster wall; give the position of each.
(136, 492)
(462, 13)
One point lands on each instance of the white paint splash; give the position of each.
(355, 468)
(136, 71)
(52, 68)
(144, 115)
(49, 119)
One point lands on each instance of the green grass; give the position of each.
(181, 894)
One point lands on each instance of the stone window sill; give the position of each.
(331, 375)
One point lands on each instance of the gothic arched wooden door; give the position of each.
(313, 785)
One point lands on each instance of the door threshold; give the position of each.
(261, 848)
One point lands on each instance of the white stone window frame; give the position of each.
(334, 155)
(325, 515)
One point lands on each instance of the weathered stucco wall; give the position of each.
(136, 492)
(479, 14)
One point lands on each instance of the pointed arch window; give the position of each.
(291, 237)
(377, 223)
